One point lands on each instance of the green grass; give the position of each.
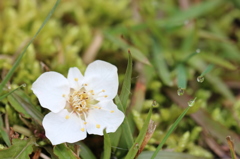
(193, 46)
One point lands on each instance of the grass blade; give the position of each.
(172, 128)
(160, 65)
(126, 134)
(219, 61)
(208, 69)
(4, 134)
(62, 152)
(190, 56)
(135, 147)
(25, 103)
(85, 152)
(17, 62)
(181, 76)
(7, 94)
(107, 146)
(126, 87)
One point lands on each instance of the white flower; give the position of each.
(79, 104)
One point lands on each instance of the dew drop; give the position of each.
(136, 146)
(198, 51)
(191, 102)
(155, 104)
(180, 91)
(23, 85)
(200, 79)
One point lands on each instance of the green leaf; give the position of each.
(17, 62)
(126, 134)
(135, 147)
(181, 76)
(126, 87)
(85, 152)
(63, 152)
(4, 134)
(160, 65)
(20, 149)
(169, 132)
(20, 101)
(107, 146)
(17, 106)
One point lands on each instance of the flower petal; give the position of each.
(108, 117)
(51, 89)
(75, 78)
(64, 127)
(101, 76)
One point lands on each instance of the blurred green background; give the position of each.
(172, 43)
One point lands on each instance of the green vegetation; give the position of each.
(178, 65)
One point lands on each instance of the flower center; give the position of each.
(79, 102)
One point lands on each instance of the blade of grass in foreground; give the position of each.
(3, 133)
(121, 102)
(126, 133)
(107, 146)
(17, 62)
(135, 147)
(62, 152)
(126, 87)
(170, 132)
(85, 151)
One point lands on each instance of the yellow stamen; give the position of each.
(112, 111)
(82, 129)
(85, 123)
(67, 117)
(63, 95)
(76, 79)
(98, 126)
